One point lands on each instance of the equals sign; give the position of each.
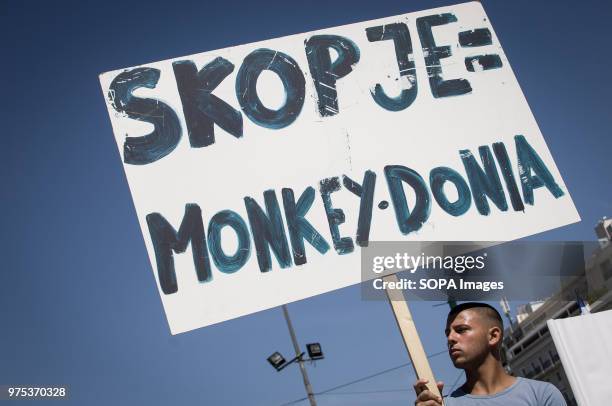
(478, 38)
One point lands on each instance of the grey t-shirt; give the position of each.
(523, 392)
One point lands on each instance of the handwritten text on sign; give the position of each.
(277, 149)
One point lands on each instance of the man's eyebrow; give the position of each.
(461, 325)
(456, 326)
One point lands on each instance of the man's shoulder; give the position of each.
(536, 384)
(527, 391)
(544, 391)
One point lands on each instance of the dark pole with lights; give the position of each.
(296, 347)
(314, 352)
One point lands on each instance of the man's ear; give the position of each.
(495, 335)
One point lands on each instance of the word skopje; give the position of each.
(203, 110)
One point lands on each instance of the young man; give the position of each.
(474, 334)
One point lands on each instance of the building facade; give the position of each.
(528, 348)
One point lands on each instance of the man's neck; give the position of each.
(488, 378)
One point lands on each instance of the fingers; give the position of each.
(420, 385)
(440, 386)
(429, 403)
(424, 396)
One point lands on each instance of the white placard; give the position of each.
(447, 97)
(582, 346)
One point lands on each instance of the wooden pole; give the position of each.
(409, 332)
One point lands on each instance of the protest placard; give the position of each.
(259, 171)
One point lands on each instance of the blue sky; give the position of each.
(77, 301)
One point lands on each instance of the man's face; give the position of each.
(467, 336)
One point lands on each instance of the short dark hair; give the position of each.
(484, 309)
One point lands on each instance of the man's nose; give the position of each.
(451, 339)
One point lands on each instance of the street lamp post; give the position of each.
(314, 354)
(298, 354)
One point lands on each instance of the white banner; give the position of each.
(586, 354)
(259, 171)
